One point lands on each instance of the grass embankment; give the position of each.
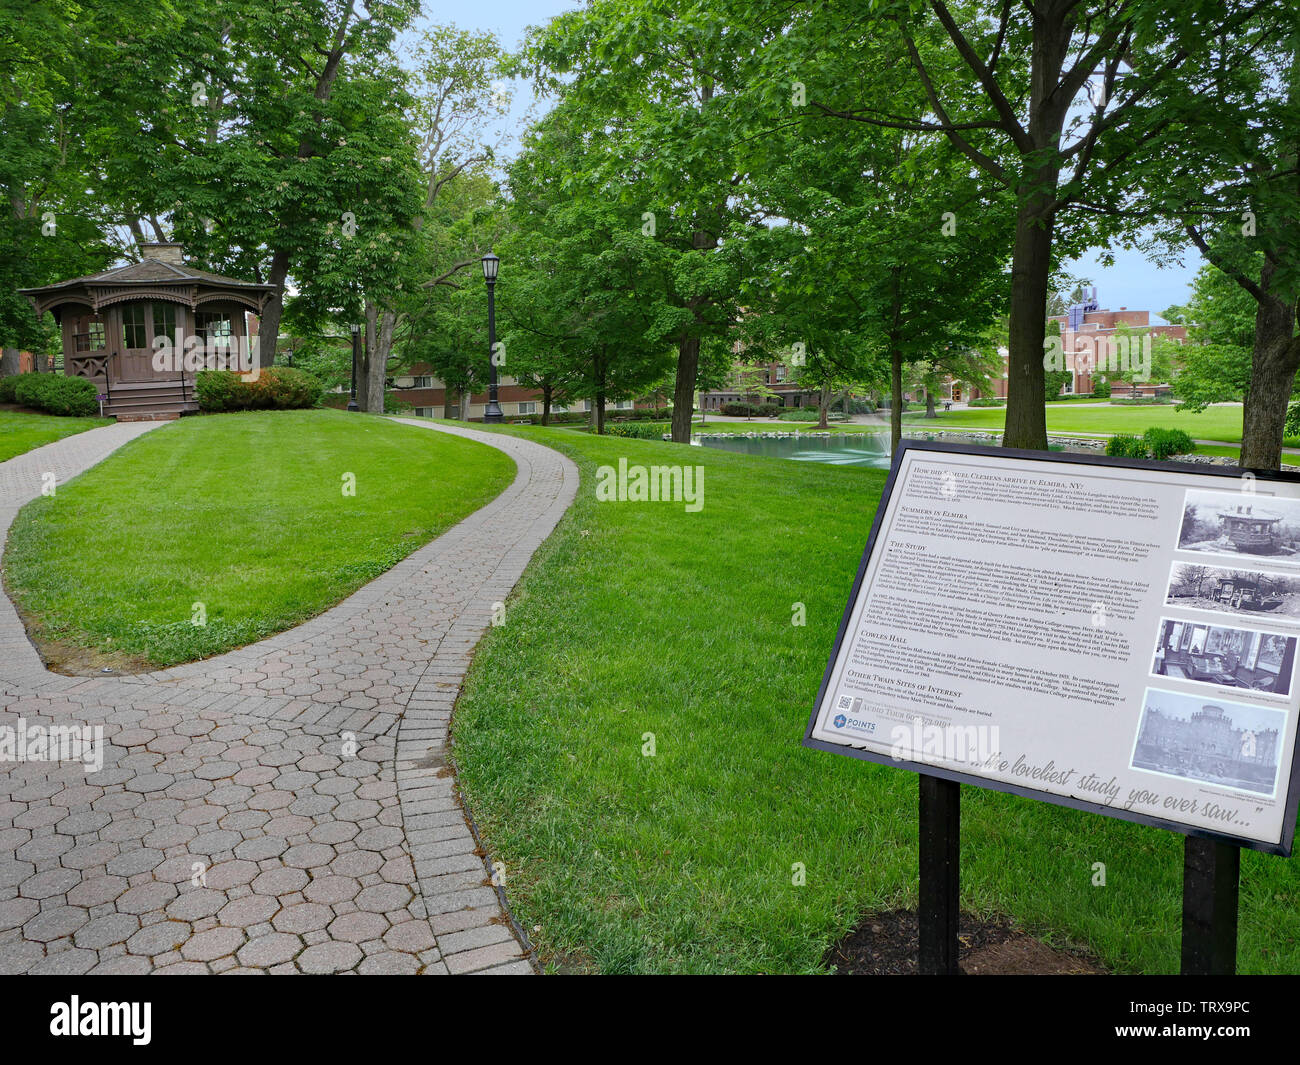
(638, 619)
(21, 430)
(243, 513)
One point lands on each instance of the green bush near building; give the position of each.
(51, 393)
(275, 388)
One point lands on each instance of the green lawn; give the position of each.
(22, 430)
(244, 513)
(641, 618)
(1216, 423)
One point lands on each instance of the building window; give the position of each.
(215, 327)
(780, 374)
(164, 321)
(423, 382)
(424, 412)
(559, 408)
(93, 338)
(529, 407)
(133, 330)
(623, 404)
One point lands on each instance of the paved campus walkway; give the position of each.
(286, 807)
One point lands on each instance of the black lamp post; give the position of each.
(491, 263)
(356, 344)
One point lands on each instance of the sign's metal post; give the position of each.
(940, 846)
(1211, 877)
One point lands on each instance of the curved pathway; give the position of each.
(286, 807)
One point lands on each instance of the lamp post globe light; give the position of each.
(492, 413)
(356, 343)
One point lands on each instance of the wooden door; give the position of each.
(142, 323)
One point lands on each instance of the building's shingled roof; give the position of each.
(149, 271)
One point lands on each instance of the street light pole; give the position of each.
(356, 343)
(492, 413)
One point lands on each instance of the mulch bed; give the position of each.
(885, 944)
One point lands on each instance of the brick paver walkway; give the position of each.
(286, 807)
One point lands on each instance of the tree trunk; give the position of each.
(1026, 425)
(895, 398)
(268, 326)
(823, 407)
(930, 412)
(546, 404)
(1273, 365)
(379, 343)
(10, 362)
(688, 366)
(448, 402)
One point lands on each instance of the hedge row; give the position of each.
(52, 393)
(275, 388)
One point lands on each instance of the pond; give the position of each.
(846, 449)
(870, 450)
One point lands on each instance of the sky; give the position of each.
(1133, 281)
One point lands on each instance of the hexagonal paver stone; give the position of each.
(15, 913)
(122, 965)
(195, 903)
(333, 832)
(356, 863)
(302, 917)
(55, 923)
(89, 855)
(389, 963)
(384, 898)
(49, 883)
(329, 958)
(45, 846)
(260, 848)
(379, 838)
(229, 874)
(73, 962)
(136, 860)
(97, 890)
(332, 889)
(273, 948)
(145, 897)
(212, 944)
(80, 823)
(308, 856)
(160, 938)
(280, 881)
(410, 936)
(250, 910)
(358, 927)
(105, 931)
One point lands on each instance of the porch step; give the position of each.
(157, 401)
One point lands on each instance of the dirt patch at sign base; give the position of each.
(885, 944)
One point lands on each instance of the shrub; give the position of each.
(1125, 445)
(56, 394)
(7, 386)
(648, 414)
(992, 401)
(1141, 401)
(750, 410)
(1165, 442)
(637, 430)
(276, 388)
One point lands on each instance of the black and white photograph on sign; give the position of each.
(1246, 592)
(1251, 524)
(1217, 742)
(1226, 656)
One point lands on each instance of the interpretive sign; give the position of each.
(1107, 634)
